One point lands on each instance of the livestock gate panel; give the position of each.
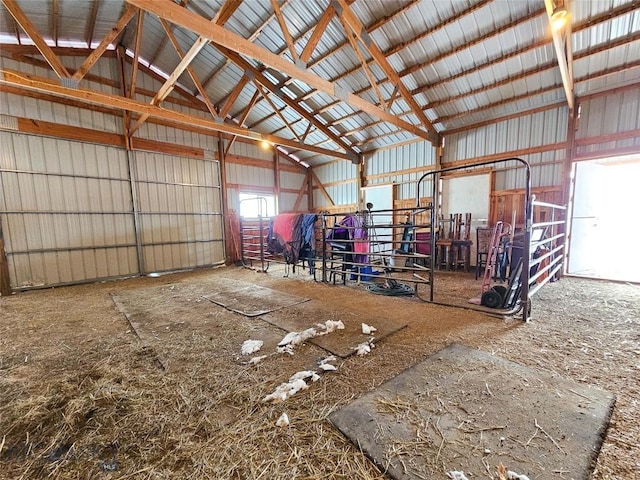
(65, 210)
(179, 208)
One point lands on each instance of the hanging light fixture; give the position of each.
(559, 18)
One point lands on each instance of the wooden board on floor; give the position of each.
(249, 299)
(340, 342)
(467, 410)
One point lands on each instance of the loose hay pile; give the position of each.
(117, 411)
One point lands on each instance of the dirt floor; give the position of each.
(82, 396)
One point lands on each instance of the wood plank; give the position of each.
(348, 17)
(91, 23)
(190, 70)
(5, 281)
(244, 116)
(260, 78)
(365, 67)
(233, 96)
(136, 55)
(323, 190)
(317, 34)
(32, 82)
(113, 34)
(220, 36)
(68, 132)
(19, 16)
(285, 30)
(277, 111)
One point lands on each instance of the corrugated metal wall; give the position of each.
(538, 138)
(65, 210)
(616, 115)
(180, 212)
(403, 166)
(340, 181)
(67, 207)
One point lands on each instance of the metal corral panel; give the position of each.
(65, 210)
(538, 129)
(612, 114)
(180, 211)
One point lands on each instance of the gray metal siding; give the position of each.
(65, 210)
(181, 223)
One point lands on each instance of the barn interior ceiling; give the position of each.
(327, 79)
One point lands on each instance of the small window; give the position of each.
(257, 205)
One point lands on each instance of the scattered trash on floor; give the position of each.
(368, 329)
(283, 421)
(251, 346)
(504, 474)
(364, 348)
(455, 475)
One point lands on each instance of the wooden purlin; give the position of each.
(34, 83)
(26, 25)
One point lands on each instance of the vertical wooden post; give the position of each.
(227, 224)
(567, 167)
(276, 177)
(5, 282)
(309, 190)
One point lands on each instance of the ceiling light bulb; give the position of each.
(559, 18)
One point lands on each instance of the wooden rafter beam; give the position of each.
(55, 9)
(34, 83)
(374, 26)
(348, 17)
(91, 23)
(26, 25)
(365, 66)
(277, 111)
(136, 54)
(319, 30)
(260, 78)
(243, 117)
(233, 96)
(190, 70)
(562, 46)
(106, 41)
(220, 36)
(229, 7)
(285, 29)
(323, 190)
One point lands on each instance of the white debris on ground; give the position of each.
(251, 346)
(368, 329)
(364, 348)
(514, 476)
(304, 374)
(297, 338)
(256, 360)
(286, 390)
(504, 474)
(455, 475)
(283, 421)
(327, 367)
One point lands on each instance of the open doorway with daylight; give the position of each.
(254, 205)
(605, 221)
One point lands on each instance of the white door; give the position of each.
(604, 224)
(585, 240)
(468, 194)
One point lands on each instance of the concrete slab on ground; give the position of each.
(467, 410)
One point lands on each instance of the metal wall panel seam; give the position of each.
(133, 190)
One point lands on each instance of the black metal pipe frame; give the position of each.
(435, 174)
